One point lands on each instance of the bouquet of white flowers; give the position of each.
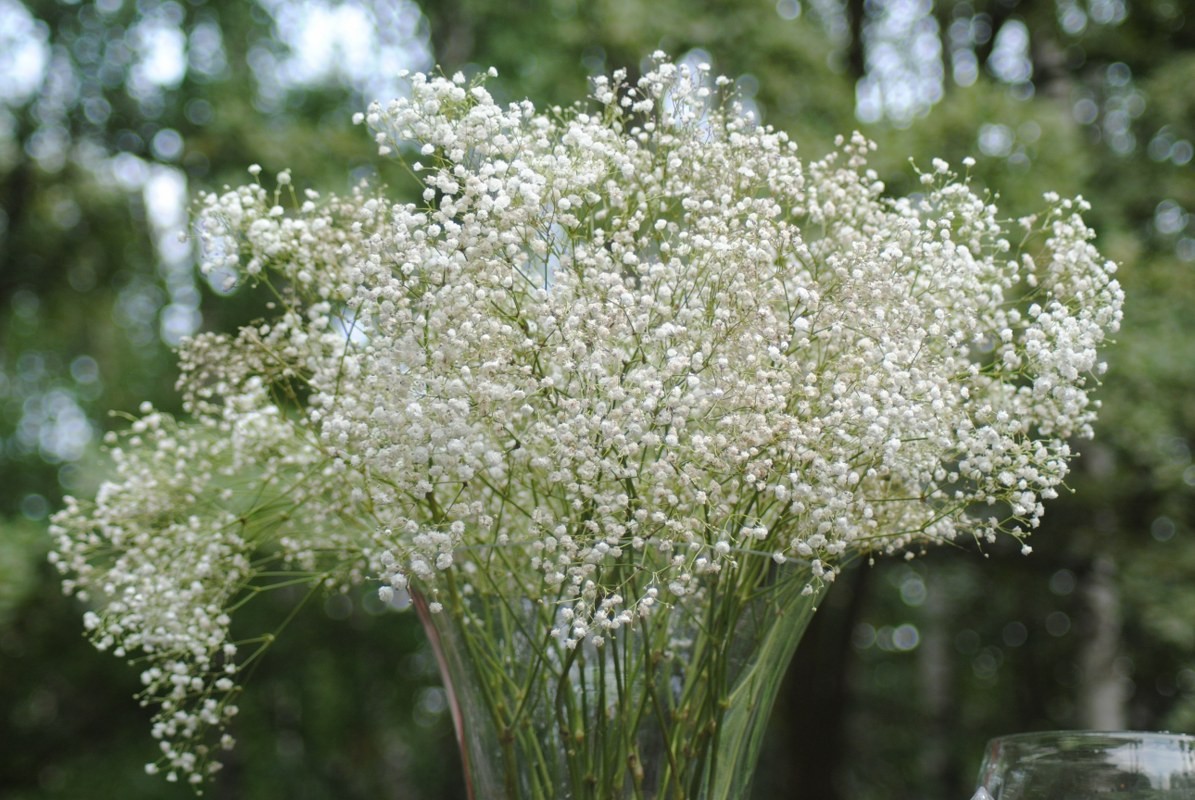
(612, 403)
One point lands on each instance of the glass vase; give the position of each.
(1080, 765)
(672, 705)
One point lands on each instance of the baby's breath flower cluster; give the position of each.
(624, 345)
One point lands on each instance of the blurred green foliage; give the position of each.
(111, 106)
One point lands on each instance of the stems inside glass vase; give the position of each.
(669, 704)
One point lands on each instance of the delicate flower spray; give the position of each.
(633, 378)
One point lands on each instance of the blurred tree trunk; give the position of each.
(1050, 75)
(935, 666)
(453, 36)
(812, 702)
(856, 54)
(18, 190)
(998, 13)
(1102, 696)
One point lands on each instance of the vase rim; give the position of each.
(1103, 735)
